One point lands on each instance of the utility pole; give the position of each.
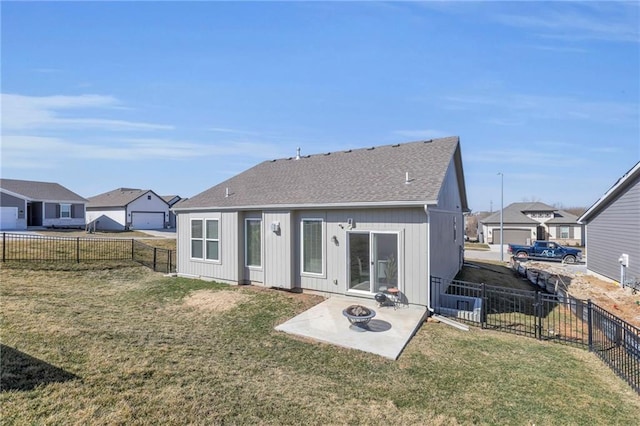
(501, 216)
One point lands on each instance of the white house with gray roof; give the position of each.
(526, 222)
(352, 222)
(128, 208)
(26, 203)
(613, 230)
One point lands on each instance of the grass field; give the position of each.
(129, 346)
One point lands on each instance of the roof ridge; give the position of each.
(354, 150)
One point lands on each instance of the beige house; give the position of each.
(524, 223)
(353, 222)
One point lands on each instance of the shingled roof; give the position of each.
(515, 213)
(40, 191)
(366, 176)
(117, 198)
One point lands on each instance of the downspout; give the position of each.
(429, 307)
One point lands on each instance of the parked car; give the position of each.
(546, 250)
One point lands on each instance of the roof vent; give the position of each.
(429, 141)
(371, 149)
(298, 153)
(226, 192)
(395, 146)
(406, 178)
(348, 151)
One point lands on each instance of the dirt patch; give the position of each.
(623, 302)
(214, 301)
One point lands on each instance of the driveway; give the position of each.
(492, 254)
(160, 233)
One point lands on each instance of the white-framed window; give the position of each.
(65, 211)
(197, 249)
(253, 242)
(564, 232)
(205, 239)
(212, 239)
(312, 246)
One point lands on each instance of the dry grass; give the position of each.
(128, 346)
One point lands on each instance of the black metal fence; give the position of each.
(544, 316)
(39, 248)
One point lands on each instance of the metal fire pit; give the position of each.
(359, 315)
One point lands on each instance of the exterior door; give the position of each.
(373, 261)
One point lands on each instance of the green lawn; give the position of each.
(129, 346)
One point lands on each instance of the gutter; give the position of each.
(381, 204)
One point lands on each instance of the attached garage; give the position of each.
(8, 217)
(147, 220)
(512, 236)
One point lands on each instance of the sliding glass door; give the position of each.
(373, 261)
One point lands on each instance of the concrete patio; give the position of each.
(386, 335)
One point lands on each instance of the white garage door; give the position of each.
(147, 220)
(8, 217)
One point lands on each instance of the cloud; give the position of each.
(34, 151)
(533, 154)
(614, 21)
(21, 112)
(519, 108)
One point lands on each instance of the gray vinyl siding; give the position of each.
(51, 210)
(449, 197)
(278, 269)
(409, 224)
(7, 200)
(613, 231)
(227, 268)
(446, 253)
(77, 211)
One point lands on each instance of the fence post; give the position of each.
(538, 310)
(4, 246)
(168, 261)
(155, 255)
(483, 309)
(590, 324)
(133, 257)
(78, 249)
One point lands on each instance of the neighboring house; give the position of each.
(349, 222)
(524, 223)
(127, 208)
(171, 200)
(613, 229)
(25, 203)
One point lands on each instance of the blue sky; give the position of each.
(177, 97)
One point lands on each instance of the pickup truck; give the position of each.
(546, 250)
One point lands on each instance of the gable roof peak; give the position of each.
(355, 176)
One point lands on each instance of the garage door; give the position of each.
(512, 236)
(8, 217)
(147, 220)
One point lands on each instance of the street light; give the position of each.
(501, 212)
